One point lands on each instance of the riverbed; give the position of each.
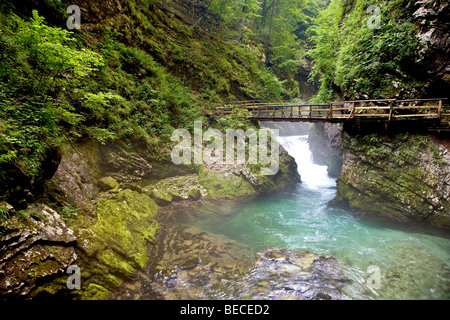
(227, 250)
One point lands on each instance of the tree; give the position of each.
(357, 61)
(42, 54)
(35, 58)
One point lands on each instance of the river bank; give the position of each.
(272, 247)
(100, 211)
(137, 227)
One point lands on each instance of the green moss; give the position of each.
(402, 184)
(224, 186)
(161, 196)
(116, 263)
(126, 222)
(440, 221)
(58, 285)
(195, 194)
(124, 228)
(108, 183)
(96, 292)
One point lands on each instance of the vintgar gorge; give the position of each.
(224, 150)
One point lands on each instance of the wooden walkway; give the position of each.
(369, 110)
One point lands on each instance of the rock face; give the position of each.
(105, 218)
(35, 250)
(286, 274)
(325, 142)
(277, 274)
(115, 247)
(434, 23)
(406, 177)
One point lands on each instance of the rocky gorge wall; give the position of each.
(401, 176)
(325, 142)
(405, 177)
(102, 211)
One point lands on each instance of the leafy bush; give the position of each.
(34, 58)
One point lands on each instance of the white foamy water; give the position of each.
(313, 176)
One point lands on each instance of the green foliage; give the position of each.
(277, 28)
(374, 146)
(357, 61)
(34, 57)
(26, 132)
(37, 54)
(236, 120)
(69, 213)
(4, 215)
(53, 89)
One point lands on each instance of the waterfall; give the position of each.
(313, 176)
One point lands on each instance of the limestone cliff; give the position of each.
(105, 202)
(325, 142)
(434, 66)
(405, 177)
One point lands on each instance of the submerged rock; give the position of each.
(286, 274)
(277, 274)
(113, 217)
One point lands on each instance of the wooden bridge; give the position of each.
(386, 110)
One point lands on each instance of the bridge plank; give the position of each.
(334, 111)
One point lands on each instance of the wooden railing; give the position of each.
(387, 109)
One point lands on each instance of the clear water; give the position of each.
(412, 264)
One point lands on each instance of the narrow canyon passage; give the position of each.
(252, 249)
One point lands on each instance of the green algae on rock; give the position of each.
(404, 177)
(224, 185)
(176, 188)
(124, 229)
(107, 184)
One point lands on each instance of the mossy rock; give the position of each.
(125, 222)
(124, 229)
(108, 184)
(96, 292)
(195, 194)
(406, 183)
(224, 185)
(161, 197)
(172, 189)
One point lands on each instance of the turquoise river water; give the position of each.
(411, 264)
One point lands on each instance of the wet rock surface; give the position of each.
(432, 18)
(286, 274)
(34, 250)
(192, 264)
(325, 141)
(404, 178)
(113, 213)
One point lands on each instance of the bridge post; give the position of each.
(331, 111)
(440, 109)
(391, 109)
